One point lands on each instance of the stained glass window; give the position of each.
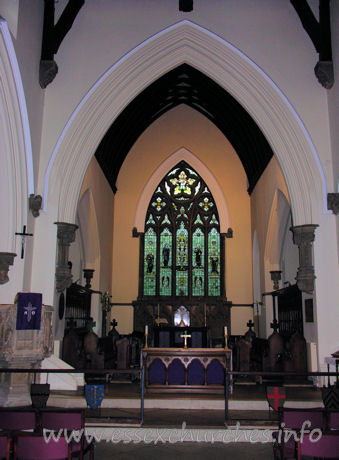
(165, 262)
(198, 263)
(150, 265)
(213, 263)
(182, 238)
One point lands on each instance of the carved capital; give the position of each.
(333, 202)
(324, 73)
(35, 203)
(47, 72)
(66, 236)
(303, 237)
(66, 233)
(6, 259)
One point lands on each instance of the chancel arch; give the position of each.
(227, 66)
(187, 43)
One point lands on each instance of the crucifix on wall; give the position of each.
(23, 235)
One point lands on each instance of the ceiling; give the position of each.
(185, 85)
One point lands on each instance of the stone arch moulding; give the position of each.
(186, 42)
(276, 228)
(16, 175)
(162, 170)
(256, 268)
(89, 231)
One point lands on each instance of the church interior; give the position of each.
(170, 182)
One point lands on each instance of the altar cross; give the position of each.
(185, 337)
(23, 235)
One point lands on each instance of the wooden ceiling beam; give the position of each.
(53, 35)
(320, 34)
(186, 5)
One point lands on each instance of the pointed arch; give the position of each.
(89, 234)
(256, 268)
(89, 230)
(182, 247)
(276, 230)
(16, 174)
(186, 42)
(201, 169)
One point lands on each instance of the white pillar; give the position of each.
(326, 287)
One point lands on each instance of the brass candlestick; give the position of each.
(226, 336)
(226, 346)
(146, 336)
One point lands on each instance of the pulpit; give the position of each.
(25, 340)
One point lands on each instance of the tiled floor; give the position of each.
(173, 418)
(184, 451)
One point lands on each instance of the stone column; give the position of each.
(66, 236)
(21, 349)
(6, 259)
(303, 236)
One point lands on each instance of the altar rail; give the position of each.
(141, 371)
(192, 370)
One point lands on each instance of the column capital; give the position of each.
(304, 234)
(303, 237)
(66, 232)
(65, 236)
(6, 259)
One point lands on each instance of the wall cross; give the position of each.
(23, 235)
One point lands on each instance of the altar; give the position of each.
(206, 326)
(186, 370)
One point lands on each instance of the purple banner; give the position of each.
(29, 310)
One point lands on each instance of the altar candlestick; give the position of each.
(225, 334)
(146, 336)
(205, 314)
(158, 311)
